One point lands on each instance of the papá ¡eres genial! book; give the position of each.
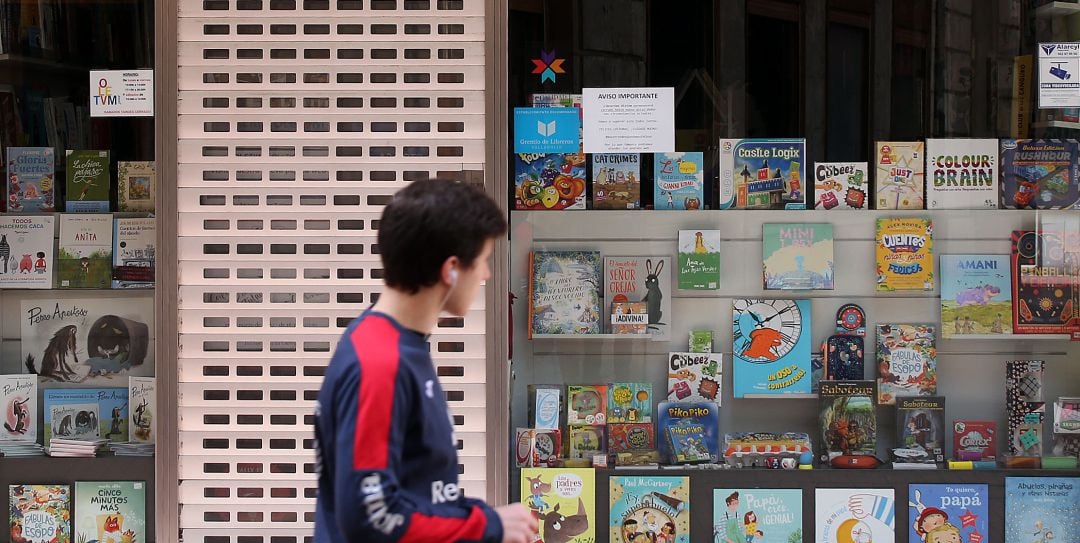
(759, 515)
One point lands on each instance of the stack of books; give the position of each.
(21, 448)
(75, 448)
(132, 449)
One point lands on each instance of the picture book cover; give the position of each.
(679, 180)
(1042, 509)
(564, 502)
(841, 185)
(133, 252)
(89, 341)
(771, 347)
(71, 421)
(576, 171)
(645, 279)
(848, 417)
(631, 437)
(616, 181)
(26, 251)
(549, 181)
(1046, 299)
(974, 440)
(142, 404)
(649, 508)
(110, 511)
(630, 402)
(688, 432)
(962, 173)
(948, 513)
(907, 361)
(564, 288)
(758, 515)
(85, 256)
(855, 515)
(586, 404)
(88, 180)
(136, 184)
(19, 396)
(31, 186)
(762, 173)
(976, 295)
(629, 318)
(797, 256)
(40, 513)
(695, 377)
(699, 259)
(900, 179)
(920, 423)
(86, 413)
(1040, 174)
(905, 256)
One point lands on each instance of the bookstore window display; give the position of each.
(77, 254)
(901, 314)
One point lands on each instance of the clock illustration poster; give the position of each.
(771, 350)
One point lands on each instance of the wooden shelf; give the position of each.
(1010, 337)
(1057, 9)
(1058, 124)
(593, 337)
(39, 63)
(811, 396)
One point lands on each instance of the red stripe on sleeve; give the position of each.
(424, 528)
(375, 341)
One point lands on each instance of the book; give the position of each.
(629, 402)
(679, 180)
(762, 173)
(855, 514)
(77, 421)
(20, 412)
(771, 346)
(920, 424)
(688, 432)
(629, 318)
(848, 417)
(1046, 298)
(906, 360)
(88, 181)
(586, 404)
(89, 341)
(948, 512)
(564, 502)
(699, 259)
(616, 181)
(962, 173)
(974, 440)
(26, 251)
(133, 252)
(975, 295)
(549, 181)
(40, 513)
(1042, 509)
(110, 511)
(758, 515)
(841, 185)
(142, 406)
(905, 257)
(136, 185)
(645, 279)
(84, 259)
(94, 413)
(695, 377)
(1040, 174)
(649, 508)
(564, 289)
(900, 180)
(631, 437)
(844, 358)
(797, 256)
(31, 186)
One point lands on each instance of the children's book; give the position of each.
(848, 417)
(629, 318)
(87, 182)
(695, 377)
(797, 256)
(1042, 509)
(630, 402)
(855, 515)
(907, 361)
(564, 288)
(31, 186)
(905, 257)
(85, 257)
(975, 295)
(616, 181)
(645, 279)
(549, 181)
(771, 347)
(762, 173)
(688, 432)
(974, 440)
(564, 502)
(962, 174)
(941, 513)
(699, 259)
(26, 251)
(142, 406)
(679, 180)
(1046, 298)
(76, 421)
(133, 252)
(110, 511)
(841, 185)
(40, 513)
(758, 515)
(920, 424)
(136, 185)
(19, 396)
(86, 413)
(1040, 174)
(649, 508)
(900, 180)
(631, 437)
(586, 404)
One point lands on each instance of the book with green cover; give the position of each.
(110, 511)
(85, 256)
(87, 182)
(699, 259)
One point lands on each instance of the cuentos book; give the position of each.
(549, 181)
(136, 184)
(26, 251)
(900, 180)
(110, 511)
(645, 279)
(20, 411)
(855, 514)
(906, 361)
(31, 181)
(1040, 174)
(699, 259)
(1042, 509)
(142, 409)
(841, 185)
(797, 256)
(848, 417)
(695, 377)
(771, 347)
(962, 173)
(86, 413)
(678, 180)
(616, 181)
(1046, 298)
(133, 252)
(564, 502)
(649, 508)
(762, 173)
(88, 181)
(40, 513)
(905, 254)
(949, 512)
(920, 428)
(759, 515)
(976, 295)
(565, 292)
(688, 432)
(84, 259)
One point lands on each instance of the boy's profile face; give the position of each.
(468, 283)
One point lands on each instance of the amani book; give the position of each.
(797, 256)
(31, 186)
(20, 412)
(645, 279)
(564, 290)
(87, 182)
(110, 511)
(699, 259)
(85, 258)
(564, 502)
(26, 251)
(907, 361)
(136, 185)
(976, 295)
(40, 513)
(649, 508)
(905, 257)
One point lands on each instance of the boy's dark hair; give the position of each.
(734, 496)
(429, 221)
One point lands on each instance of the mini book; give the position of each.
(962, 174)
(841, 185)
(564, 289)
(616, 181)
(679, 181)
(797, 256)
(31, 186)
(976, 295)
(136, 186)
(699, 259)
(133, 252)
(905, 257)
(85, 257)
(907, 361)
(762, 173)
(900, 180)
(26, 251)
(88, 180)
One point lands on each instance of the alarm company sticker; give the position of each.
(1059, 75)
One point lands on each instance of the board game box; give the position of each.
(1040, 174)
(962, 173)
(763, 173)
(841, 185)
(900, 179)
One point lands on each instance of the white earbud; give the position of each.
(453, 277)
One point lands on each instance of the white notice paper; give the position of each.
(628, 120)
(122, 93)
(1059, 75)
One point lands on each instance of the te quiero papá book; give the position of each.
(905, 258)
